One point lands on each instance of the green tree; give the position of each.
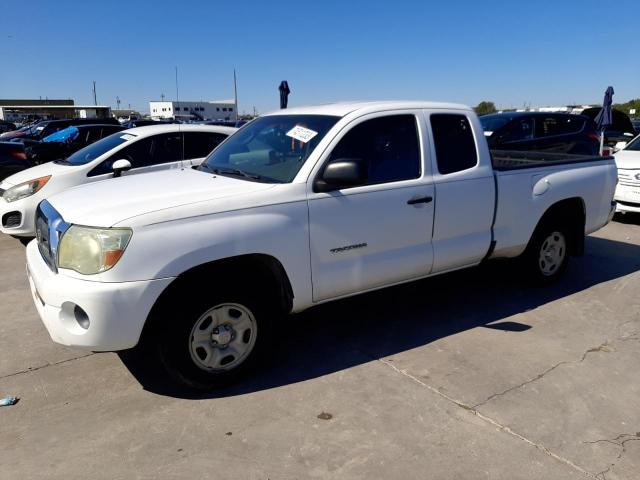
(485, 107)
(625, 107)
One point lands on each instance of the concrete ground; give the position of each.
(466, 376)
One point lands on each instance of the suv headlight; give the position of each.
(24, 190)
(89, 250)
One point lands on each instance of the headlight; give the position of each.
(90, 250)
(26, 189)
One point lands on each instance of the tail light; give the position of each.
(593, 136)
(19, 155)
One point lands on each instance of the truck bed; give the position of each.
(514, 160)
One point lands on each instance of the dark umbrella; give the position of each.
(284, 94)
(604, 117)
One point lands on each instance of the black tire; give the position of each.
(173, 340)
(539, 270)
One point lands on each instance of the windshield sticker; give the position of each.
(126, 136)
(302, 134)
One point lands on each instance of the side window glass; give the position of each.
(389, 148)
(548, 126)
(518, 130)
(137, 153)
(200, 144)
(165, 148)
(453, 139)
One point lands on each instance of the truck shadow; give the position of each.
(350, 332)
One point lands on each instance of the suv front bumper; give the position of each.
(116, 312)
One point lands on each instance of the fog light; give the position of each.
(81, 317)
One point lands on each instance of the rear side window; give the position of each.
(453, 139)
(388, 146)
(555, 125)
(201, 144)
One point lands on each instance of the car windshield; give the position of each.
(491, 123)
(271, 148)
(66, 135)
(93, 151)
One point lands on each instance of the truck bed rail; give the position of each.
(513, 159)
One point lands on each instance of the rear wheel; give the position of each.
(210, 342)
(547, 254)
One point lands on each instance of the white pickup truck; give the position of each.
(299, 207)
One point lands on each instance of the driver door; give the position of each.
(374, 234)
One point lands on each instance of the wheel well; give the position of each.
(265, 271)
(570, 212)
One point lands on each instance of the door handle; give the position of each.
(415, 200)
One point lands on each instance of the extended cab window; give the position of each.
(453, 139)
(388, 146)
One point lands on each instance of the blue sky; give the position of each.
(541, 52)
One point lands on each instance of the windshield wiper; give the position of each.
(234, 171)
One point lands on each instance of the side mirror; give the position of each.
(340, 173)
(620, 146)
(120, 166)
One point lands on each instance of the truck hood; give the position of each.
(105, 203)
(628, 159)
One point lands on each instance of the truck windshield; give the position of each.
(93, 151)
(271, 148)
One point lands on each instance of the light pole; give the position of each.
(118, 102)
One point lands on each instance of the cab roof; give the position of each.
(344, 108)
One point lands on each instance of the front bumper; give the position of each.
(116, 311)
(25, 210)
(627, 198)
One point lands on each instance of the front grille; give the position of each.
(629, 204)
(49, 229)
(628, 179)
(11, 219)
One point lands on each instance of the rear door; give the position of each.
(464, 189)
(374, 234)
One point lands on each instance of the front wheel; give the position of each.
(547, 254)
(210, 343)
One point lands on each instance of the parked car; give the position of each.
(129, 152)
(541, 131)
(144, 123)
(300, 207)
(45, 128)
(636, 124)
(7, 126)
(628, 189)
(16, 156)
(621, 130)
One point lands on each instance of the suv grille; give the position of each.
(49, 229)
(628, 178)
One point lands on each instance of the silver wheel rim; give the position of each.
(552, 253)
(223, 337)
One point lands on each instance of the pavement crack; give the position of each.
(603, 347)
(504, 428)
(46, 365)
(621, 442)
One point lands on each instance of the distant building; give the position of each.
(211, 110)
(19, 110)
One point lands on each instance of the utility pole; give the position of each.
(118, 102)
(235, 91)
(177, 95)
(95, 99)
